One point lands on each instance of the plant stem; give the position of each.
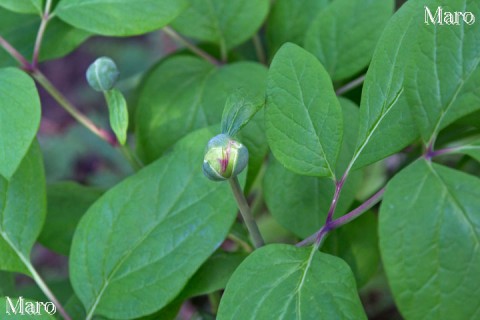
(351, 85)
(319, 236)
(15, 54)
(259, 49)
(199, 52)
(246, 213)
(43, 286)
(70, 108)
(336, 197)
(41, 31)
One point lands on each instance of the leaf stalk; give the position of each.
(246, 213)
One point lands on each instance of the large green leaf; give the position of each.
(430, 242)
(289, 20)
(13, 310)
(303, 117)
(185, 93)
(19, 116)
(21, 30)
(225, 23)
(386, 124)
(302, 207)
(344, 35)
(357, 244)
(67, 202)
(443, 79)
(22, 203)
(23, 6)
(148, 235)
(119, 17)
(284, 282)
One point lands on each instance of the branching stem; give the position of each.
(246, 213)
(320, 235)
(192, 47)
(41, 31)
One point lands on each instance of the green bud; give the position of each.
(225, 158)
(102, 74)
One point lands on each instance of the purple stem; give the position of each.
(319, 236)
(336, 196)
(15, 54)
(430, 153)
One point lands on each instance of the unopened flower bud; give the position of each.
(225, 158)
(102, 74)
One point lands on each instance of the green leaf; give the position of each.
(67, 202)
(22, 199)
(185, 93)
(289, 19)
(23, 6)
(213, 275)
(443, 81)
(149, 234)
(357, 244)
(118, 111)
(19, 116)
(303, 117)
(239, 109)
(6, 311)
(302, 207)
(21, 30)
(225, 23)
(344, 35)
(124, 18)
(386, 124)
(430, 241)
(284, 282)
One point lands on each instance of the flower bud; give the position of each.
(225, 158)
(102, 74)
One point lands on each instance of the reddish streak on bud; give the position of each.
(225, 158)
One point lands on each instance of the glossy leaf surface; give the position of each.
(303, 117)
(344, 35)
(443, 81)
(124, 18)
(23, 203)
(284, 282)
(429, 240)
(225, 23)
(19, 118)
(185, 93)
(386, 124)
(174, 218)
